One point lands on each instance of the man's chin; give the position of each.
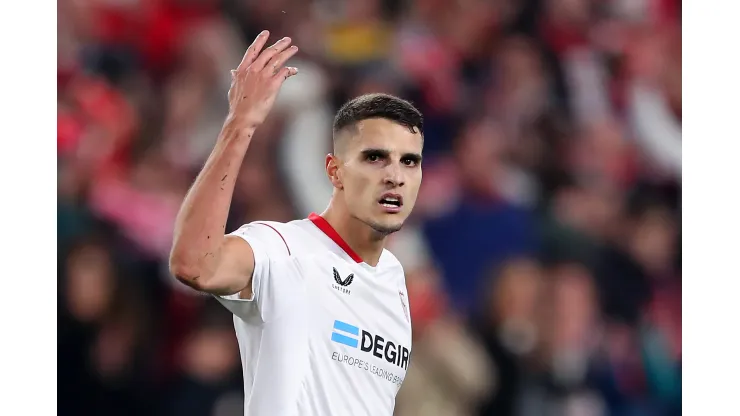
(385, 229)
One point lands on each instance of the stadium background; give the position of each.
(543, 259)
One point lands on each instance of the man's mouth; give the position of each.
(391, 201)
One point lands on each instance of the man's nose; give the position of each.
(394, 176)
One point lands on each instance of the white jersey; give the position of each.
(324, 333)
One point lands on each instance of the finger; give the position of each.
(268, 53)
(254, 50)
(286, 73)
(276, 63)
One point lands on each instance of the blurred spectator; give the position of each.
(543, 259)
(208, 381)
(488, 223)
(450, 371)
(508, 325)
(103, 336)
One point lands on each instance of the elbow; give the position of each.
(187, 274)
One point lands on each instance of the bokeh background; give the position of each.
(543, 259)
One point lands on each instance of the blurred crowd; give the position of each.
(543, 258)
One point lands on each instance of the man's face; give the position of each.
(379, 172)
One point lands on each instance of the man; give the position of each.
(320, 307)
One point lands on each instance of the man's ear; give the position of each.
(333, 171)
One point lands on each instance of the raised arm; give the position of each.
(201, 256)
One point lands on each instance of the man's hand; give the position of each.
(201, 257)
(256, 81)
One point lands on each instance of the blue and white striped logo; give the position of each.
(345, 334)
(379, 346)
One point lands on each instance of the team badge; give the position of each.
(403, 303)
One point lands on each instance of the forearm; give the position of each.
(201, 223)
(199, 249)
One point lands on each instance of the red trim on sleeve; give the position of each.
(330, 232)
(278, 233)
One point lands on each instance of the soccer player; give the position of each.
(320, 308)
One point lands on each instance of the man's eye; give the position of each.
(373, 158)
(409, 162)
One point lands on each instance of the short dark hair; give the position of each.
(378, 105)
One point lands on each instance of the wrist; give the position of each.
(236, 131)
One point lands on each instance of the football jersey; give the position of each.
(324, 333)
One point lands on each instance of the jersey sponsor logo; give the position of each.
(342, 284)
(346, 334)
(353, 337)
(377, 371)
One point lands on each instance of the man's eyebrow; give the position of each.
(375, 152)
(385, 153)
(413, 156)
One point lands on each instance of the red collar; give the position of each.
(330, 232)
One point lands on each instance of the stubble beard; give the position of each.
(384, 230)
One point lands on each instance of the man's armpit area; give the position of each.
(246, 293)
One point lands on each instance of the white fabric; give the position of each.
(289, 331)
(657, 131)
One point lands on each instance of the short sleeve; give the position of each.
(271, 253)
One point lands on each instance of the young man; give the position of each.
(320, 307)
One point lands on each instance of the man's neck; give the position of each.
(362, 239)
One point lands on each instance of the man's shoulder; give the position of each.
(392, 264)
(293, 234)
(283, 228)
